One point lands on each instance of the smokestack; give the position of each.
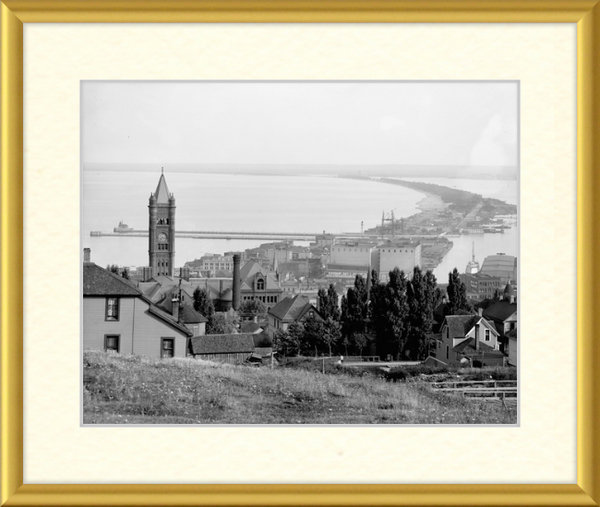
(87, 255)
(235, 303)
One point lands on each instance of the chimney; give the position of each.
(477, 337)
(175, 307)
(87, 255)
(235, 303)
(480, 312)
(512, 299)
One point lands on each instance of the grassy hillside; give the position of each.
(135, 390)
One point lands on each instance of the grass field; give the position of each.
(135, 390)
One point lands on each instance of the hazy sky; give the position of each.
(237, 122)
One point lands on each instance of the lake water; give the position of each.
(244, 203)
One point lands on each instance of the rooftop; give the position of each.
(222, 344)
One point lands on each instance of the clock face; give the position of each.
(162, 237)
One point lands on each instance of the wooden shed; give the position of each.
(226, 348)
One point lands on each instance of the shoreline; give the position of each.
(431, 203)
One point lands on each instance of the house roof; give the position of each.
(263, 351)
(467, 347)
(162, 191)
(191, 316)
(98, 281)
(501, 310)
(292, 309)
(512, 333)
(222, 344)
(252, 270)
(251, 327)
(167, 317)
(460, 325)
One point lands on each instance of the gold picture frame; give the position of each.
(16, 12)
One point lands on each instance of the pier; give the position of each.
(252, 235)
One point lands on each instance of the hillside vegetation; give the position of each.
(135, 390)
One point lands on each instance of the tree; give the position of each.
(378, 314)
(423, 298)
(312, 336)
(457, 294)
(397, 311)
(122, 272)
(222, 323)
(355, 309)
(285, 344)
(332, 334)
(203, 303)
(253, 308)
(295, 332)
(328, 303)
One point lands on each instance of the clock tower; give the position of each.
(161, 229)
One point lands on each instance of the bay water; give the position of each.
(260, 203)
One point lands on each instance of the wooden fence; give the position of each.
(504, 391)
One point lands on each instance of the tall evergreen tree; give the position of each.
(422, 301)
(328, 303)
(457, 294)
(397, 306)
(378, 314)
(203, 303)
(355, 309)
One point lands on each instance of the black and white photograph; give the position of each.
(300, 252)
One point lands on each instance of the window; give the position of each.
(167, 348)
(260, 284)
(487, 335)
(112, 309)
(447, 351)
(111, 342)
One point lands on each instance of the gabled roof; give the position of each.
(149, 288)
(460, 325)
(98, 281)
(162, 191)
(250, 271)
(167, 317)
(263, 351)
(250, 327)
(501, 310)
(512, 333)
(190, 316)
(468, 347)
(292, 309)
(222, 344)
